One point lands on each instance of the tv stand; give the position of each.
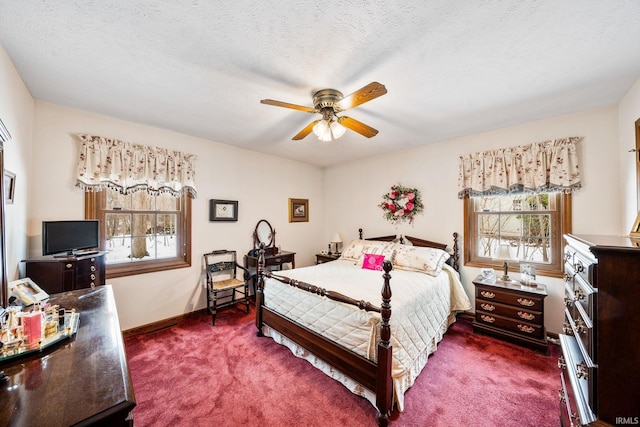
(62, 273)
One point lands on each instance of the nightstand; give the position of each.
(322, 258)
(511, 311)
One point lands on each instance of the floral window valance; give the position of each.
(127, 167)
(538, 167)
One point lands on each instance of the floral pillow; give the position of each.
(416, 258)
(356, 248)
(372, 262)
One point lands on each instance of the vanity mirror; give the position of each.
(264, 233)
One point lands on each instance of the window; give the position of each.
(141, 232)
(532, 225)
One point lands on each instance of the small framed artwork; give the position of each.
(223, 210)
(9, 186)
(27, 291)
(298, 210)
(635, 231)
(4, 133)
(528, 274)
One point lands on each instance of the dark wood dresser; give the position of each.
(84, 381)
(55, 275)
(600, 342)
(511, 311)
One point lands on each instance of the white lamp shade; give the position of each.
(503, 252)
(336, 238)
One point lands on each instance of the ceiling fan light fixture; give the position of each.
(337, 129)
(322, 130)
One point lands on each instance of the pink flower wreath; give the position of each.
(401, 204)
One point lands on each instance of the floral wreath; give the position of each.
(401, 204)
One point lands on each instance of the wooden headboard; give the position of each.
(454, 261)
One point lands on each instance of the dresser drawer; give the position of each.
(580, 327)
(528, 301)
(585, 268)
(520, 327)
(586, 296)
(518, 313)
(87, 266)
(578, 376)
(568, 415)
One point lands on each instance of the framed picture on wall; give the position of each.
(635, 230)
(298, 210)
(9, 186)
(223, 210)
(4, 133)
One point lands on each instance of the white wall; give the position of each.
(16, 112)
(261, 183)
(628, 113)
(353, 191)
(343, 198)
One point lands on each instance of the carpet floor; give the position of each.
(196, 375)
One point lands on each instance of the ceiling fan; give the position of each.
(330, 102)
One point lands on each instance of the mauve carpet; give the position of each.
(193, 374)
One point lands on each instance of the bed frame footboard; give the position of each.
(374, 376)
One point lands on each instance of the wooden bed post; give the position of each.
(260, 291)
(456, 252)
(384, 383)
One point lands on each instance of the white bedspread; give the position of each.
(422, 307)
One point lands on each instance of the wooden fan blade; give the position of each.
(365, 94)
(306, 131)
(287, 105)
(357, 126)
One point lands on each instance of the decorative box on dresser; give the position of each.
(55, 275)
(600, 360)
(511, 311)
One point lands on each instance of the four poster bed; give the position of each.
(348, 337)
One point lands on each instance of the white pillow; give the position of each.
(356, 248)
(417, 258)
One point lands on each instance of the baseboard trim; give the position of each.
(161, 325)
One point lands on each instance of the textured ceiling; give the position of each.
(451, 68)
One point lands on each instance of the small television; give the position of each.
(64, 238)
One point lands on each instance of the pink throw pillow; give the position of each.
(373, 262)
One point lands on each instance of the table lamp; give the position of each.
(503, 253)
(337, 240)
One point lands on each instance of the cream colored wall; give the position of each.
(628, 113)
(261, 183)
(16, 112)
(342, 198)
(353, 191)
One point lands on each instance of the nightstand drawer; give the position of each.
(518, 313)
(322, 258)
(528, 301)
(520, 327)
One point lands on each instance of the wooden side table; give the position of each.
(322, 258)
(511, 311)
(276, 259)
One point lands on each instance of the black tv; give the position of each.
(64, 238)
